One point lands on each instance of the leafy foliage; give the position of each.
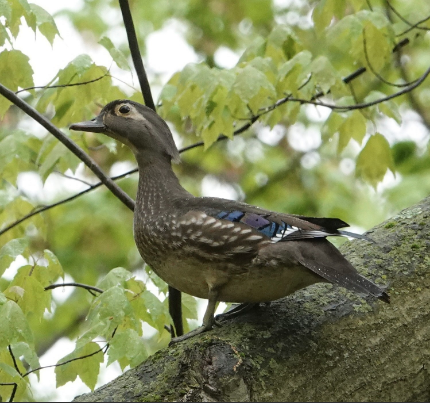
(297, 159)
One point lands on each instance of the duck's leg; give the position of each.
(208, 319)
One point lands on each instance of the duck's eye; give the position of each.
(124, 109)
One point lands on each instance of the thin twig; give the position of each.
(72, 178)
(135, 54)
(65, 362)
(62, 85)
(365, 104)
(416, 105)
(85, 286)
(416, 26)
(15, 387)
(411, 25)
(14, 360)
(377, 75)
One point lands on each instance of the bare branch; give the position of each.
(416, 105)
(66, 362)
(89, 288)
(15, 387)
(364, 104)
(62, 85)
(13, 359)
(72, 178)
(411, 26)
(377, 75)
(135, 54)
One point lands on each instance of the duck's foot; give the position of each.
(237, 310)
(193, 333)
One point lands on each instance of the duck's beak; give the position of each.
(95, 125)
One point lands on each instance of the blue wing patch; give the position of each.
(271, 229)
(283, 232)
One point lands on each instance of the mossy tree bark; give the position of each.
(320, 344)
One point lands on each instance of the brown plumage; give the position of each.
(214, 248)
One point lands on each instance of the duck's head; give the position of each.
(135, 125)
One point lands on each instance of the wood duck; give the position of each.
(214, 248)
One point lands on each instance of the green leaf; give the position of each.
(74, 103)
(10, 251)
(389, 107)
(157, 310)
(378, 46)
(127, 345)
(117, 276)
(375, 159)
(23, 349)
(324, 74)
(344, 33)
(4, 35)
(53, 271)
(9, 374)
(117, 56)
(20, 8)
(291, 74)
(5, 9)
(282, 44)
(51, 159)
(33, 300)
(112, 309)
(256, 49)
(250, 82)
(45, 23)
(86, 368)
(189, 307)
(353, 127)
(112, 304)
(325, 11)
(13, 77)
(14, 327)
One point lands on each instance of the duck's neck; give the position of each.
(158, 185)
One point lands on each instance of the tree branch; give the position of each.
(13, 359)
(63, 85)
(66, 362)
(135, 54)
(85, 286)
(375, 73)
(416, 105)
(363, 105)
(411, 26)
(14, 389)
